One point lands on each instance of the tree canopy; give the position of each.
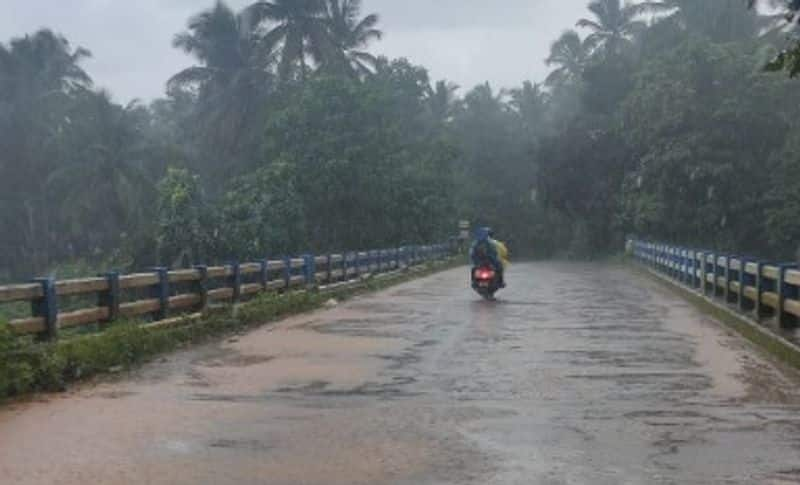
(289, 134)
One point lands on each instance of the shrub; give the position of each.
(16, 374)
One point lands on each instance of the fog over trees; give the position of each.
(665, 119)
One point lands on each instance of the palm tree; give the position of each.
(107, 152)
(299, 31)
(37, 72)
(235, 71)
(530, 102)
(227, 46)
(570, 54)
(351, 35)
(40, 74)
(45, 63)
(614, 25)
(482, 103)
(721, 20)
(441, 100)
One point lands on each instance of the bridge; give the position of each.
(581, 373)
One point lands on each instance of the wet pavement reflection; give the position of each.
(579, 374)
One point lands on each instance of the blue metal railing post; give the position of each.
(263, 274)
(726, 271)
(676, 264)
(687, 280)
(654, 255)
(729, 279)
(668, 263)
(785, 320)
(671, 262)
(715, 272)
(111, 297)
(309, 270)
(760, 288)
(668, 266)
(47, 307)
(287, 272)
(743, 284)
(236, 281)
(161, 292)
(660, 258)
(202, 285)
(703, 273)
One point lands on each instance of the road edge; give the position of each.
(763, 338)
(50, 367)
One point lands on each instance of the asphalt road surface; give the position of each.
(579, 374)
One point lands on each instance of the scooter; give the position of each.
(485, 281)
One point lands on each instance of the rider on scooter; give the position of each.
(487, 250)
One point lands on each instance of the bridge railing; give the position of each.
(761, 289)
(160, 294)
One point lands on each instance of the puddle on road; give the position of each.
(247, 445)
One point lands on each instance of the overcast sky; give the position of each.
(466, 41)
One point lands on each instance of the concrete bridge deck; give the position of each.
(579, 374)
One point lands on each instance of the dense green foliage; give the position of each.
(288, 135)
(680, 135)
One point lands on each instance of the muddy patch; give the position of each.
(312, 387)
(379, 391)
(115, 394)
(355, 328)
(399, 361)
(240, 445)
(426, 343)
(195, 378)
(228, 398)
(666, 413)
(238, 360)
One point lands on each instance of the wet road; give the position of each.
(580, 374)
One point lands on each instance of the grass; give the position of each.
(28, 367)
(767, 341)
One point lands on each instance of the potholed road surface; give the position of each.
(580, 374)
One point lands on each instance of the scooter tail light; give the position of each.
(484, 274)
